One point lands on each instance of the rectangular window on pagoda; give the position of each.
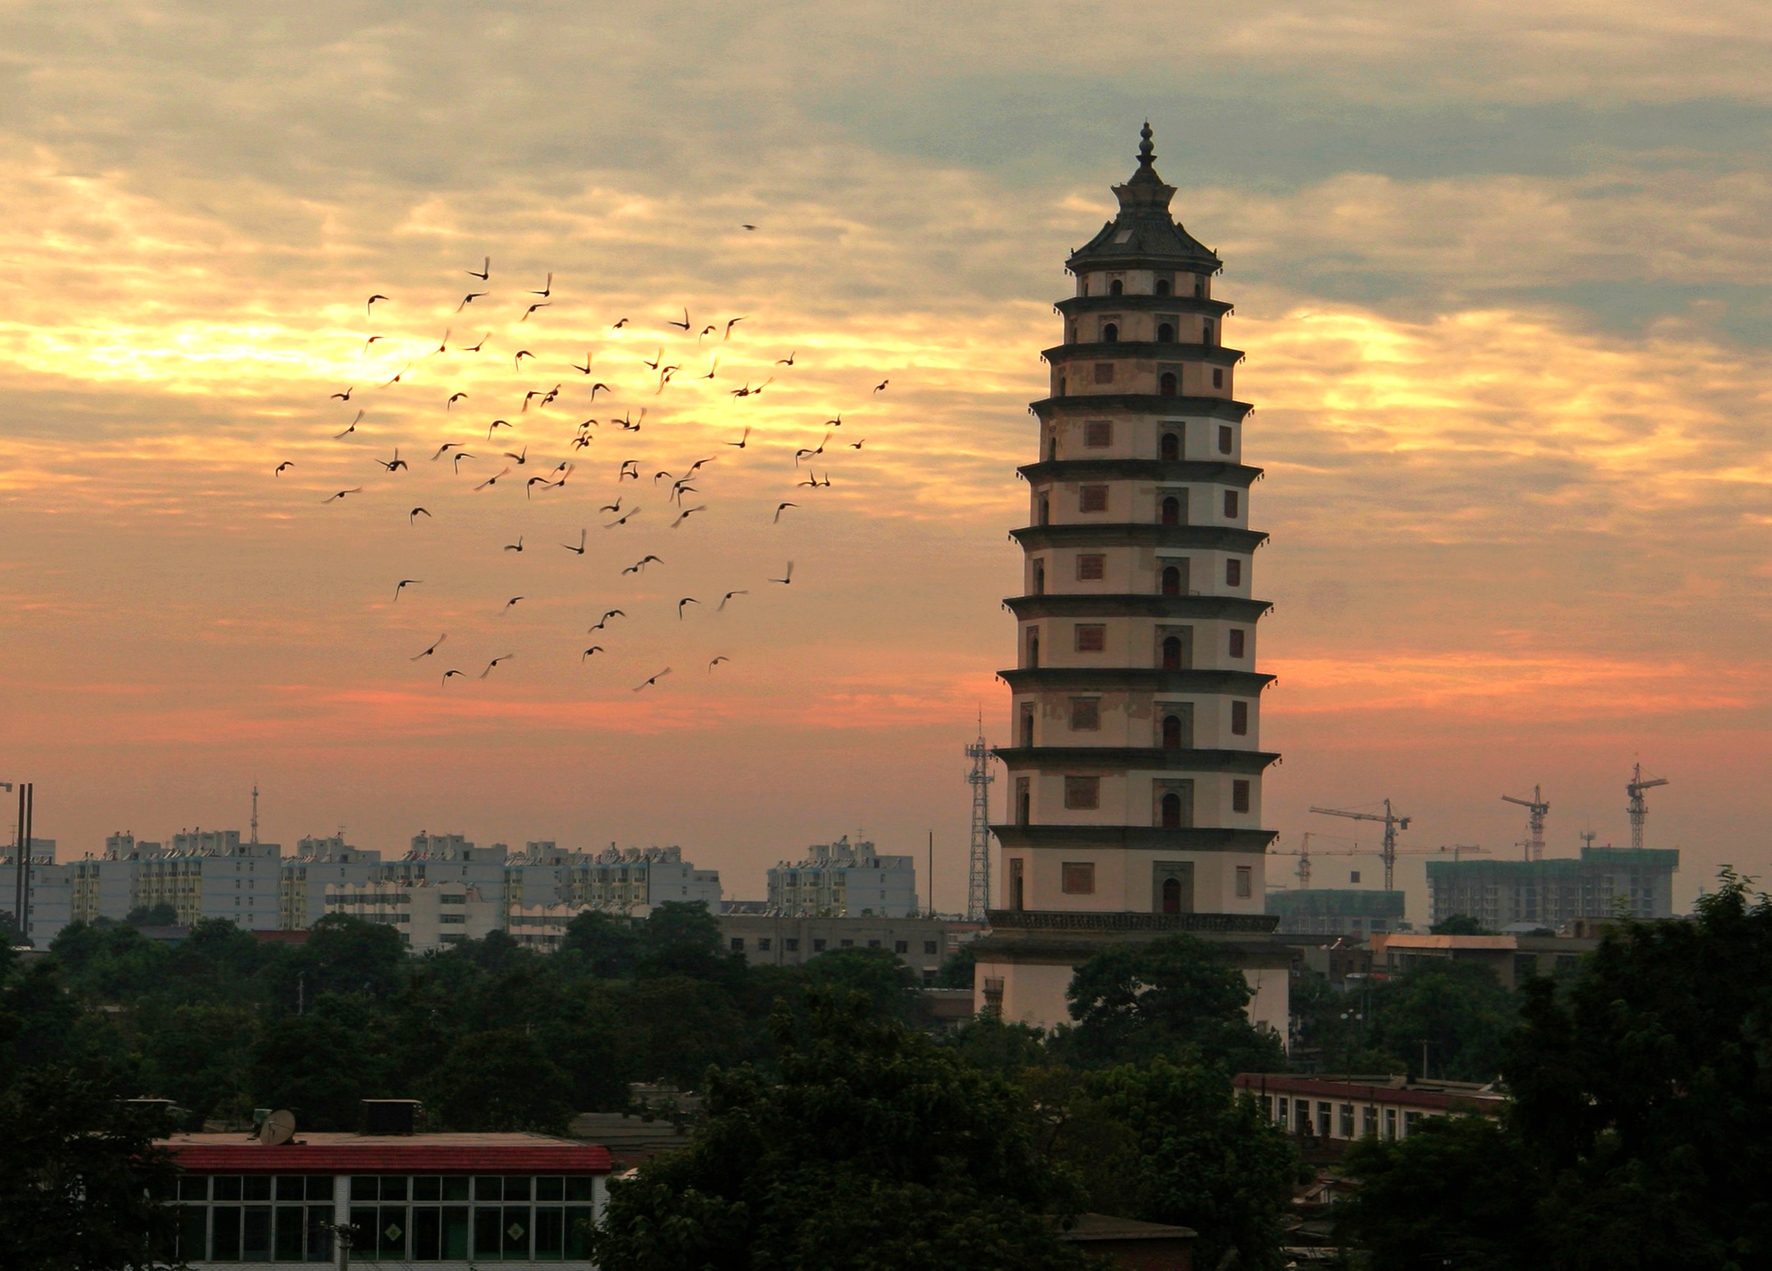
(1091, 566)
(1077, 878)
(1092, 498)
(1082, 793)
(1104, 372)
(1098, 434)
(1240, 718)
(1233, 572)
(1238, 637)
(1239, 795)
(1091, 637)
(1086, 714)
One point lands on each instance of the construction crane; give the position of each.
(1391, 822)
(1536, 808)
(1639, 810)
(1304, 854)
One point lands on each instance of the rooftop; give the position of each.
(1144, 232)
(327, 1152)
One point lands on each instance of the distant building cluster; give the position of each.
(1603, 882)
(444, 889)
(1336, 911)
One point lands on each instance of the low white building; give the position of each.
(844, 879)
(429, 916)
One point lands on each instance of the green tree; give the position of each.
(1460, 925)
(80, 1178)
(109, 960)
(957, 972)
(609, 945)
(344, 955)
(319, 1065)
(160, 915)
(1137, 1001)
(1204, 1157)
(500, 1080)
(1459, 1009)
(880, 976)
(876, 1149)
(1458, 1192)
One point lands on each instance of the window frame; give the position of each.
(1082, 793)
(1076, 878)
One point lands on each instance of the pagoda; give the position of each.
(1135, 766)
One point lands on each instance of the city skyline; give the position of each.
(1498, 278)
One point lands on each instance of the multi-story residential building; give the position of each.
(632, 881)
(777, 939)
(1604, 880)
(318, 863)
(49, 893)
(1341, 1109)
(1336, 911)
(841, 878)
(428, 915)
(1135, 767)
(203, 874)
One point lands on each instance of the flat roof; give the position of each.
(328, 1152)
(1365, 1092)
(1411, 941)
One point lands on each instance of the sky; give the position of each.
(1500, 270)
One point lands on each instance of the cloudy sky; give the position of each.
(1500, 268)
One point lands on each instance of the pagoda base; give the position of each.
(1025, 965)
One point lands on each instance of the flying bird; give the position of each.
(687, 600)
(586, 368)
(706, 331)
(834, 423)
(356, 489)
(451, 672)
(469, 299)
(639, 566)
(728, 596)
(473, 348)
(881, 386)
(599, 385)
(788, 360)
(685, 324)
(539, 304)
(371, 303)
(629, 468)
(490, 480)
(427, 653)
(346, 395)
(856, 445)
(371, 340)
(287, 463)
(655, 679)
(495, 661)
(352, 428)
(580, 549)
(611, 507)
(412, 516)
(453, 399)
(497, 423)
(747, 227)
(619, 325)
(522, 458)
(401, 374)
(443, 344)
(711, 370)
(779, 509)
(547, 288)
(394, 464)
(601, 622)
(740, 443)
(513, 600)
(459, 457)
(446, 446)
(789, 578)
(656, 359)
(530, 484)
(517, 361)
(515, 547)
(686, 513)
(729, 327)
(403, 584)
(484, 273)
(624, 519)
(716, 662)
(595, 648)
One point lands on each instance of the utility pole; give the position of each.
(931, 912)
(978, 873)
(26, 809)
(255, 813)
(1536, 808)
(1639, 810)
(1392, 823)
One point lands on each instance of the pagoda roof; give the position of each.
(1144, 233)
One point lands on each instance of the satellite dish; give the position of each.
(278, 1128)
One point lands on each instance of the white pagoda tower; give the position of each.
(1134, 774)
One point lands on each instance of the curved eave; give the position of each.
(1142, 678)
(1136, 605)
(1143, 350)
(1150, 838)
(1073, 306)
(1210, 538)
(1135, 759)
(1143, 404)
(1199, 471)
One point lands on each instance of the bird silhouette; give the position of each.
(490, 481)
(484, 273)
(453, 399)
(403, 584)
(513, 600)
(497, 423)
(728, 596)
(687, 600)
(547, 288)
(653, 679)
(580, 549)
(459, 456)
(371, 340)
(639, 566)
(779, 509)
(473, 348)
(356, 489)
(427, 653)
(789, 578)
(619, 325)
(741, 442)
(515, 547)
(399, 375)
(394, 464)
(412, 516)
(716, 662)
(505, 657)
(686, 513)
(522, 457)
(729, 327)
(881, 386)
(604, 620)
(788, 360)
(353, 428)
(450, 672)
(539, 304)
(685, 324)
(595, 648)
(346, 395)
(586, 368)
(469, 299)
(371, 303)
(287, 463)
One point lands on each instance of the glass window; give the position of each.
(1077, 878)
(550, 1234)
(738, 944)
(1218, 377)
(255, 1233)
(292, 1187)
(256, 1187)
(1082, 792)
(227, 1187)
(901, 946)
(226, 1232)
(1230, 503)
(391, 1232)
(578, 1231)
(364, 1187)
(427, 1235)
(1236, 642)
(516, 1232)
(1233, 572)
(1240, 718)
(489, 1241)
(455, 1233)
(1246, 889)
(1240, 798)
(791, 944)
(193, 1187)
(193, 1234)
(929, 947)
(1224, 439)
(764, 943)
(1347, 1120)
(320, 1187)
(289, 1229)
(580, 1187)
(818, 946)
(427, 1189)
(550, 1189)
(489, 1188)
(455, 1187)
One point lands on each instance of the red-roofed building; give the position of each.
(433, 1199)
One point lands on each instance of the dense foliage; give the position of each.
(1455, 1016)
(1641, 1132)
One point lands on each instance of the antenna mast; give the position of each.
(978, 876)
(1639, 810)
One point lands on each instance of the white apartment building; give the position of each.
(204, 874)
(428, 915)
(50, 888)
(844, 879)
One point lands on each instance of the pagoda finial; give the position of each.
(1145, 153)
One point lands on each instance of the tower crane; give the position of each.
(1304, 854)
(1391, 822)
(1639, 810)
(1536, 808)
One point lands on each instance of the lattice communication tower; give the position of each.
(978, 871)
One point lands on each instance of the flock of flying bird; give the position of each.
(663, 370)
